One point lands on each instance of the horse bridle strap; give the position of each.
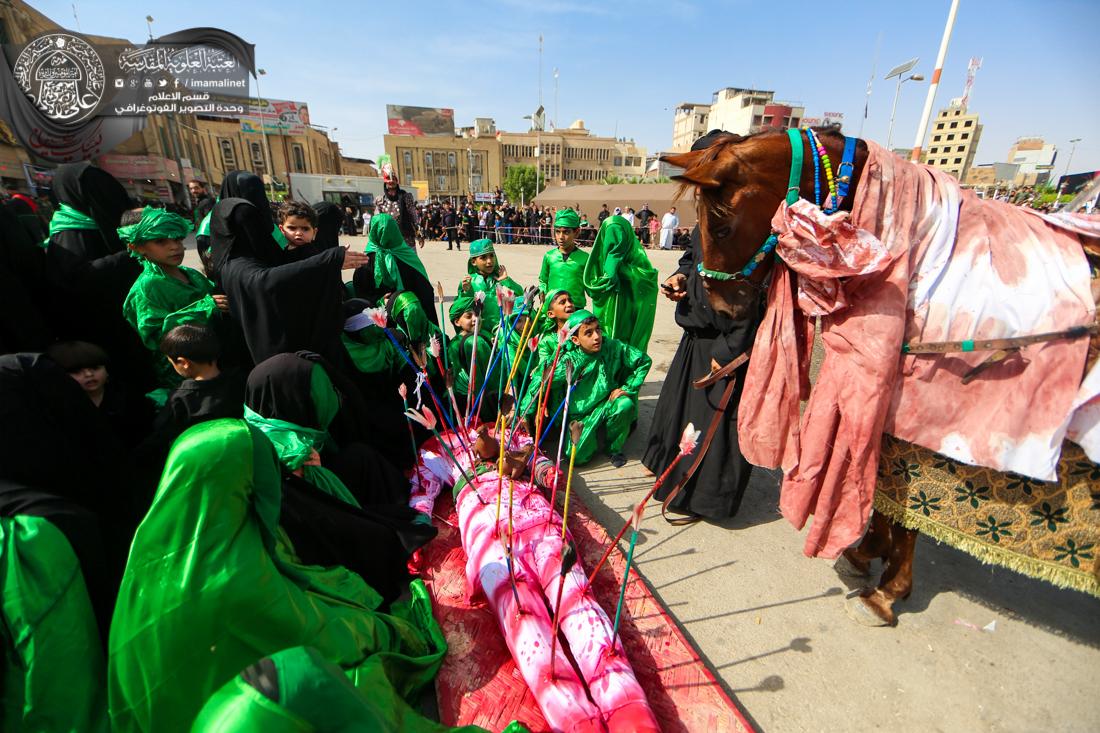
(794, 183)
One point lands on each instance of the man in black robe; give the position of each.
(714, 489)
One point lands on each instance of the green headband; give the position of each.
(567, 218)
(155, 224)
(578, 318)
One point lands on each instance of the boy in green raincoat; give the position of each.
(607, 374)
(485, 274)
(166, 294)
(622, 283)
(563, 266)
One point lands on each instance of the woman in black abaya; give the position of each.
(362, 519)
(280, 306)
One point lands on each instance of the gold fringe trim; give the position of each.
(989, 554)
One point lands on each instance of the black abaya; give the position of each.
(374, 539)
(716, 488)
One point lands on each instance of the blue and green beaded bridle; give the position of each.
(793, 186)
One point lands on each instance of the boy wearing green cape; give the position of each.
(462, 347)
(622, 283)
(563, 266)
(166, 294)
(607, 374)
(485, 274)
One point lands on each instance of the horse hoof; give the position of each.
(861, 610)
(845, 568)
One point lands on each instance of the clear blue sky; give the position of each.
(624, 66)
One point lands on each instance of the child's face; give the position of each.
(466, 322)
(93, 380)
(589, 337)
(485, 264)
(565, 237)
(298, 231)
(561, 307)
(164, 252)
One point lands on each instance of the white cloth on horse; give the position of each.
(669, 222)
(918, 259)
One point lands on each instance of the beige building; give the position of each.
(689, 123)
(955, 135)
(358, 167)
(740, 111)
(572, 155)
(452, 166)
(477, 159)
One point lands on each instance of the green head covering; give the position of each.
(406, 311)
(464, 302)
(385, 240)
(578, 318)
(155, 224)
(477, 248)
(567, 218)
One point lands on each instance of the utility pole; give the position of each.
(263, 128)
(930, 100)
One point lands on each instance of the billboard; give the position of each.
(275, 117)
(406, 120)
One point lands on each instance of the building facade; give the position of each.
(477, 158)
(740, 111)
(1035, 159)
(955, 135)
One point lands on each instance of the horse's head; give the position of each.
(739, 184)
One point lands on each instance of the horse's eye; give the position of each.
(722, 233)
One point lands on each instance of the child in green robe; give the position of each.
(166, 293)
(622, 283)
(559, 306)
(461, 350)
(563, 266)
(607, 375)
(485, 274)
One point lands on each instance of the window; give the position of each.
(299, 158)
(964, 136)
(257, 158)
(951, 137)
(954, 125)
(427, 160)
(958, 161)
(228, 158)
(618, 161)
(939, 125)
(968, 123)
(936, 138)
(934, 150)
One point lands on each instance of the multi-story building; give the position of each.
(1035, 159)
(955, 135)
(572, 155)
(740, 111)
(477, 158)
(689, 123)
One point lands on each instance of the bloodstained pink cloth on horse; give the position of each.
(917, 260)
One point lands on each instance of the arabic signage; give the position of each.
(419, 121)
(70, 99)
(275, 117)
(127, 167)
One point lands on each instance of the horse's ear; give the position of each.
(700, 169)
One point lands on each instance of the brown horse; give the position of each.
(739, 183)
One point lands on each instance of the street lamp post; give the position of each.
(263, 127)
(894, 109)
(900, 72)
(1072, 149)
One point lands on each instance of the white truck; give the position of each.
(314, 187)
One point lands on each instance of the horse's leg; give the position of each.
(855, 562)
(876, 607)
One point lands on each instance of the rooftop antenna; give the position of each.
(540, 70)
(971, 72)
